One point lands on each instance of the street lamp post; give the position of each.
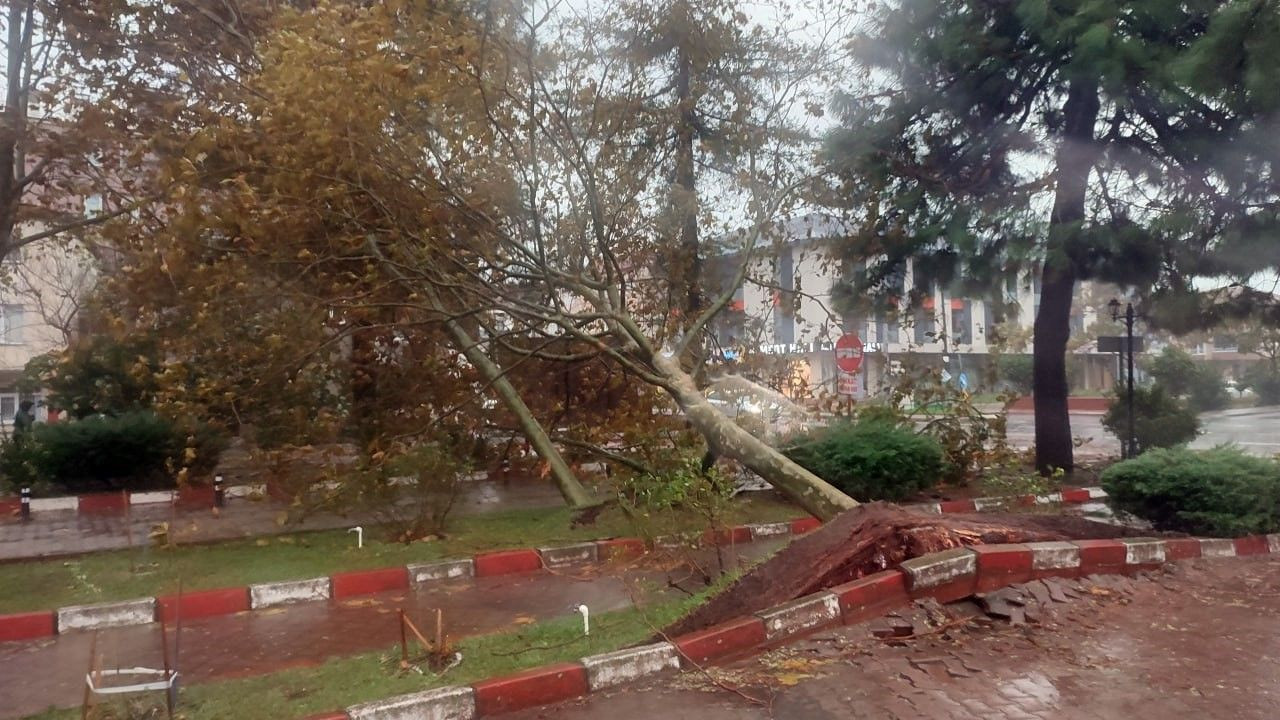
(1130, 448)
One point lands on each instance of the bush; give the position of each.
(1208, 390)
(873, 460)
(135, 451)
(1180, 375)
(1218, 492)
(1017, 372)
(1161, 420)
(1173, 369)
(1264, 381)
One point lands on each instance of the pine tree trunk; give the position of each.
(1054, 448)
(727, 439)
(1074, 159)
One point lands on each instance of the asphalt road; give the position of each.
(1257, 430)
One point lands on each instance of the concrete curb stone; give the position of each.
(807, 613)
(615, 668)
(564, 555)
(1143, 551)
(1216, 547)
(290, 591)
(112, 614)
(447, 703)
(420, 573)
(764, 530)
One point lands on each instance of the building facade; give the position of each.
(787, 310)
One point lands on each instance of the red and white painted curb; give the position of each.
(947, 575)
(118, 503)
(226, 601)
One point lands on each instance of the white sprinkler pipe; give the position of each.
(586, 619)
(359, 531)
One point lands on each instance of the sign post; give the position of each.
(849, 361)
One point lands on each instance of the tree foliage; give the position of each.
(1074, 140)
(471, 194)
(100, 375)
(1179, 374)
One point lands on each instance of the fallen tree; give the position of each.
(871, 538)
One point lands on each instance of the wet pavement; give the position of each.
(61, 532)
(1257, 430)
(35, 675)
(1200, 642)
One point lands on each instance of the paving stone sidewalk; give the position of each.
(55, 533)
(1201, 642)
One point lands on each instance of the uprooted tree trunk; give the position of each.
(868, 539)
(574, 493)
(725, 438)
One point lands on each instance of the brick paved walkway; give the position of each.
(1201, 642)
(55, 533)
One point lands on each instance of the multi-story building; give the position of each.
(41, 290)
(787, 310)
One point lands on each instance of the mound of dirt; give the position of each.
(871, 538)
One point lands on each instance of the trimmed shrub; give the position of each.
(134, 451)
(1218, 492)
(1160, 419)
(871, 460)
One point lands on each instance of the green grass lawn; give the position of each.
(342, 682)
(45, 584)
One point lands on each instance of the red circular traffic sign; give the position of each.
(849, 353)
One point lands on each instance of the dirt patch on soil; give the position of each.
(871, 538)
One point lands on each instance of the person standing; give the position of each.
(23, 421)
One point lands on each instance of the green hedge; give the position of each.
(134, 451)
(1218, 492)
(872, 459)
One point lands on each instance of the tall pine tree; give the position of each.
(1074, 138)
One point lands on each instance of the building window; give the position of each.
(784, 321)
(10, 324)
(8, 407)
(961, 322)
(926, 326)
(1224, 343)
